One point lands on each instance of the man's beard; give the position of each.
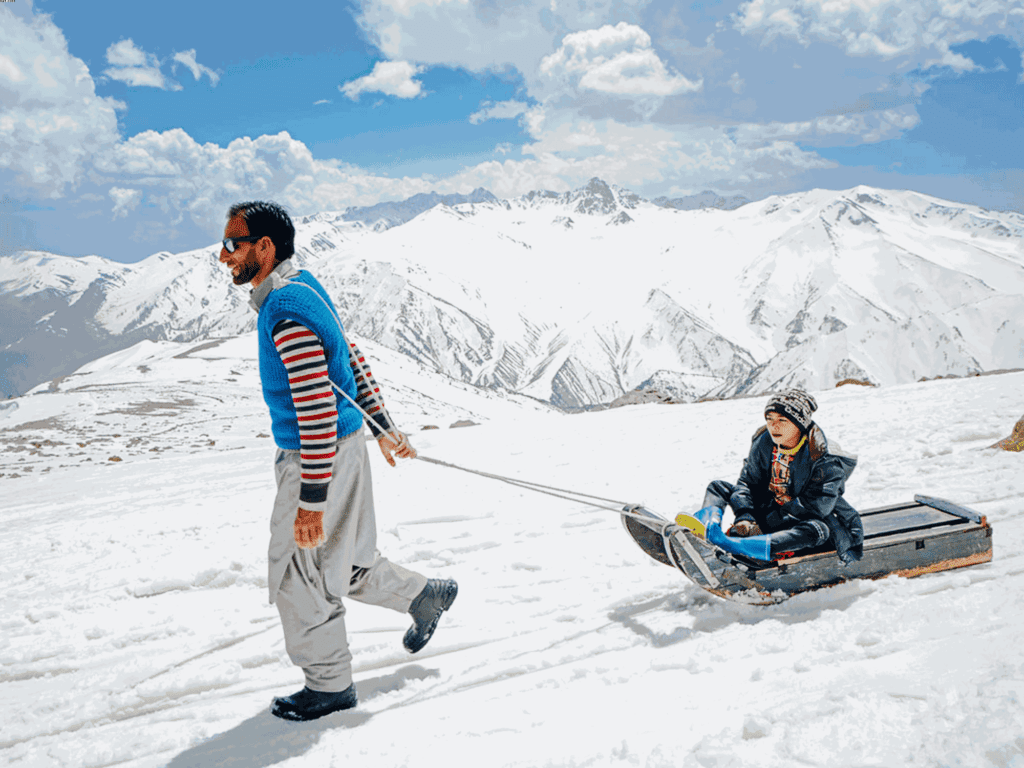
(246, 271)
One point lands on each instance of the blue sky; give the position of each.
(128, 128)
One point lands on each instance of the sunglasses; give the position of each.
(231, 243)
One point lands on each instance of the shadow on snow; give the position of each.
(264, 740)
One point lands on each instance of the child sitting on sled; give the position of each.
(789, 495)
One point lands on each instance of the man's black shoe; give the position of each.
(436, 598)
(308, 704)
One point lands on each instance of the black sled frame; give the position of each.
(910, 539)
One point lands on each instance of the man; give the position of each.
(323, 542)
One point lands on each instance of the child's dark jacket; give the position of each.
(818, 478)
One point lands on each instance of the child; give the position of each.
(789, 496)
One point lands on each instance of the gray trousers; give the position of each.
(308, 585)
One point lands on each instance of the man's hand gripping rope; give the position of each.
(401, 447)
(309, 525)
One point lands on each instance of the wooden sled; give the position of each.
(910, 539)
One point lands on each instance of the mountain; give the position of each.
(386, 215)
(705, 199)
(577, 298)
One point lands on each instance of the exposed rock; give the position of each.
(642, 396)
(1015, 442)
(463, 423)
(705, 199)
(860, 382)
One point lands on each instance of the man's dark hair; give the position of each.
(270, 219)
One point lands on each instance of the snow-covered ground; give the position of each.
(136, 629)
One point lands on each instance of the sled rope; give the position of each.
(560, 493)
(621, 507)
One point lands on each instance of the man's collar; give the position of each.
(282, 273)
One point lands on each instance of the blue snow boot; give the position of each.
(754, 547)
(308, 704)
(436, 598)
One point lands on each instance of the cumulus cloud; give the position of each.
(188, 58)
(503, 110)
(482, 34)
(52, 123)
(131, 65)
(186, 178)
(882, 28)
(616, 60)
(9, 70)
(394, 78)
(125, 200)
(55, 131)
(199, 181)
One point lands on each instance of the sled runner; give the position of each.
(910, 539)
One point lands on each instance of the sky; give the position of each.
(127, 129)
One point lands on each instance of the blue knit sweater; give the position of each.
(304, 301)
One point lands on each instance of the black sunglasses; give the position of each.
(230, 243)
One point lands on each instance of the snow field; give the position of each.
(136, 629)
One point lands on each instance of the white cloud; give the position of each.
(125, 200)
(200, 181)
(859, 127)
(55, 131)
(197, 180)
(188, 58)
(126, 54)
(503, 110)
(481, 34)
(615, 60)
(9, 70)
(52, 123)
(736, 83)
(408, 7)
(881, 28)
(394, 78)
(131, 65)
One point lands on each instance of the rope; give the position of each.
(621, 507)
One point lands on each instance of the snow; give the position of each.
(136, 630)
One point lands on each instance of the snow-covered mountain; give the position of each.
(577, 298)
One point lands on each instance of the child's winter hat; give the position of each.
(796, 405)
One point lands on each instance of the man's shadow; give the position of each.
(264, 740)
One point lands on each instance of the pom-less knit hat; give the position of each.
(796, 405)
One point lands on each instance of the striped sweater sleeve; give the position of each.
(315, 406)
(368, 393)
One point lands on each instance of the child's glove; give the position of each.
(754, 547)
